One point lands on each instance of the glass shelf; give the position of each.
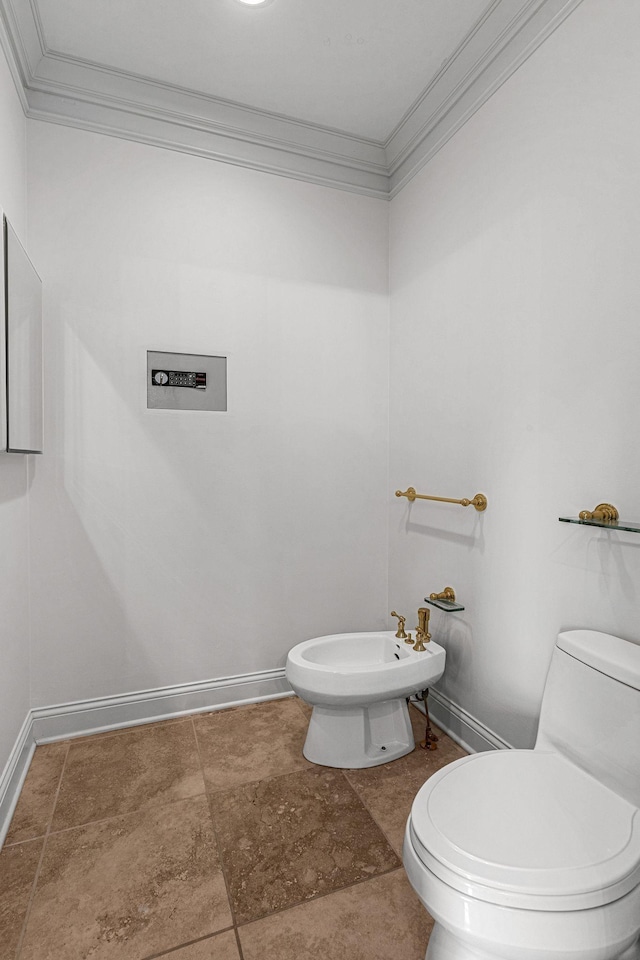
(448, 605)
(633, 526)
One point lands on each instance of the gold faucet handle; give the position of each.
(400, 634)
(420, 639)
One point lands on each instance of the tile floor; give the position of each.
(212, 838)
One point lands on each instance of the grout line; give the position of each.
(38, 868)
(354, 789)
(127, 813)
(21, 843)
(57, 793)
(322, 896)
(218, 845)
(187, 943)
(26, 783)
(238, 943)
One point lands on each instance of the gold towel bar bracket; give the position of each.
(479, 501)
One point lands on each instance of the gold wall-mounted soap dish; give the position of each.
(445, 600)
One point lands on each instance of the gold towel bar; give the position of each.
(479, 501)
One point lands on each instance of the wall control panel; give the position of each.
(186, 381)
(179, 378)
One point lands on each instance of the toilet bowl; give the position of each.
(357, 684)
(535, 854)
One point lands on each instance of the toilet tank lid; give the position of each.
(617, 658)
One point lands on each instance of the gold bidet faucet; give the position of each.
(401, 635)
(422, 630)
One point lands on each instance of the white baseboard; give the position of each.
(68, 720)
(83, 717)
(14, 773)
(472, 735)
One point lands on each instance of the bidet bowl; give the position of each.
(361, 668)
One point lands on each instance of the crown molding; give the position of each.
(22, 24)
(455, 95)
(200, 137)
(15, 57)
(78, 93)
(73, 92)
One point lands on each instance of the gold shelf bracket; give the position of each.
(479, 501)
(447, 594)
(604, 512)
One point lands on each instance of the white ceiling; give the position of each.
(353, 93)
(352, 65)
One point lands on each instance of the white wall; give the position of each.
(14, 581)
(171, 547)
(515, 350)
(176, 547)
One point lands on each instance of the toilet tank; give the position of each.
(591, 708)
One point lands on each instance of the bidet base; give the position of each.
(359, 736)
(632, 952)
(444, 946)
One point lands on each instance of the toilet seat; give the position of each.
(527, 829)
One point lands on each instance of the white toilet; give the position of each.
(535, 854)
(358, 684)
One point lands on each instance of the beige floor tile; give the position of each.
(381, 919)
(141, 769)
(129, 887)
(290, 838)
(35, 806)
(251, 742)
(221, 947)
(18, 865)
(389, 790)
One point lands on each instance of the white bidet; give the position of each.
(358, 684)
